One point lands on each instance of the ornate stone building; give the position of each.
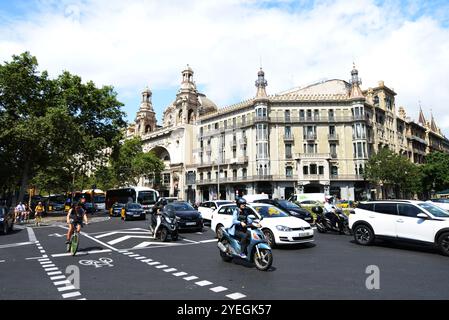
(311, 139)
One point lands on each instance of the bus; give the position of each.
(147, 197)
(99, 198)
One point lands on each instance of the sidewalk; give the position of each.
(48, 220)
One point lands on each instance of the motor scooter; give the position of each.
(168, 226)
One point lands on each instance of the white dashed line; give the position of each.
(190, 278)
(51, 269)
(140, 258)
(180, 274)
(236, 296)
(57, 278)
(60, 283)
(203, 283)
(170, 270)
(134, 255)
(66, 288)
(162, 266)
(146, 260)
(54, 273)
(218, 289)
(153, 263)
(207, 241)
(71, 295)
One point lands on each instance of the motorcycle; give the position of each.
(324, 224)
(259, 252)
(168, 226)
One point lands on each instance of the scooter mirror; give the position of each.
(252, 217)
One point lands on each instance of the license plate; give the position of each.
(137, 215)
(190, 223)
(304, 234)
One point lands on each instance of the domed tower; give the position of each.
(261, 109)
(146, 117)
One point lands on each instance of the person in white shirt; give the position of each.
(19, 211)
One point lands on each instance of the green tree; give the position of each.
(59, 123)
(436, 172)
(393, 172)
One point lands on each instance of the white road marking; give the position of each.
(121, 239)
(218, 289)
(147, 260)
(162, 266)
(180, 274)
(60, 283)
(42, 251)
(31, 235)
(48, 266)
(191, 241)
(43, 259)
(96, 240)
(2, 261)
(54, 273)
(51, 269)
(143, 245)
(207, 241)
(153, 263)
(203, 283)
(80, 253)
(67, 288)
(134, 255)
(140, 258)
(127, 253)
(190, 278)
(13, 245)
(57, 278)
(236, 296)
(71, 295)
(121, 232)
(170, 270)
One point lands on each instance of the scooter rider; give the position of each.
(157, 211)
(331, 213)
(239, 225)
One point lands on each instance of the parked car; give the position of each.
(309, 203)
(207, 208)
(442, 203)
(116, 210)
(6, 220)
(277, 226)
(289, 207)
(401, 220)
(90, 207)
(133, 210)
(188, 218)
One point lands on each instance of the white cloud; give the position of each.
(137, 43)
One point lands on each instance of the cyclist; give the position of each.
(75, 218)
(38, 212)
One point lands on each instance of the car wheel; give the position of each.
(363, 235)
(270, 237)
(218, 231)
(443, 244)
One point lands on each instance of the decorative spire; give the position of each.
(433, 125)
(261, 84)
(356, 92)
(421, 118)
(187, 79)
(146, 104)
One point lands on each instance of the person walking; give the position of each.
(38, 213)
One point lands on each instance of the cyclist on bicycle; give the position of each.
(75, 218)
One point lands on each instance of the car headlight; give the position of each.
(168, 220)
(2, 219)
(283, 228)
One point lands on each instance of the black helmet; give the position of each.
(317, 210)
(240, 201)
(163, 202)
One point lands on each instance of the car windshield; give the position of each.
(440, 200)
(134, 206)
(434, 210)
(288, 204)
(182, 207)
(147, 197)
(270, 212)
(118, 205)
(99, 199)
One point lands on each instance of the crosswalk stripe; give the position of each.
(57, 278)
(236, 296)
(180, 274)
(59, 283)
(71, 295)
(154, 263)
(147, 260)
(218, 289)
(143, 245)
(170, 270)
(51, 269)
(190, 278)
(121, 239)
(162, 266)
(140, 258)
(66, 288)
(203, 283)
(54, 273)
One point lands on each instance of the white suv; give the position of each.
(408, 220)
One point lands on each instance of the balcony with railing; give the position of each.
(310, 156)
(346, 177)
(289, 138)
(333, 137)
(310, 136)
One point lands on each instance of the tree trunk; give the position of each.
(24, 183)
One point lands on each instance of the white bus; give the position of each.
(147, 197)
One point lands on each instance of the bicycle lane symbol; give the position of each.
(102, 262)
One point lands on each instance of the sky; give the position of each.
(147, 43)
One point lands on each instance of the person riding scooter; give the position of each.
(331, 213)
(240, 221)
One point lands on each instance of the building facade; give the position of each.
(305, 140)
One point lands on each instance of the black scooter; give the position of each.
(324, 224)
(168, 227)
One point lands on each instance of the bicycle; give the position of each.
(72, 246)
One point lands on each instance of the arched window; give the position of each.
(376, 100)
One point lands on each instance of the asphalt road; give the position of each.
(118, 261)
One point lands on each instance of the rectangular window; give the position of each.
(321, 170)
(289, 172)
(288, 132)
(313, 169)
(288, 151)
(301, 115)
(332, 130)
(305, 170)
(331, 115)
(287, 115)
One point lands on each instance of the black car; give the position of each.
(133, 210)
(289, 207)
(6, 220)
(116, 209)
(188, 218)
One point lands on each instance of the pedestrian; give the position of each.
(26, 214)
(19, 210)
(38, 212)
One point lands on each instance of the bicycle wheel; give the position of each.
(74, 244)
